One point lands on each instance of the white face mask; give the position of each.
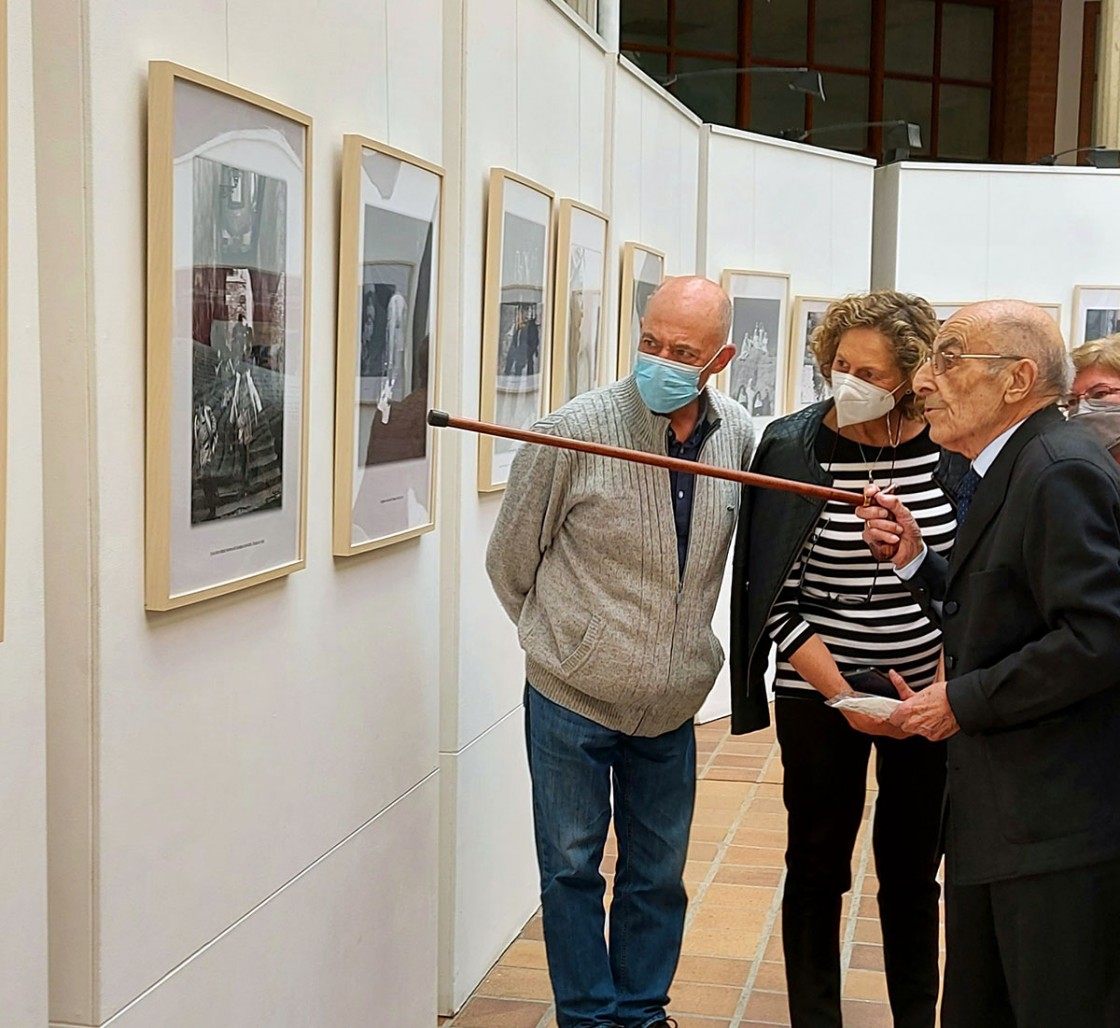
(858, 401)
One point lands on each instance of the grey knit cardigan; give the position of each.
(583, 558)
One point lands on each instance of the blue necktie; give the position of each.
(965, 492)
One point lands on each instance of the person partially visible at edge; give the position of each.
(804, 584)
(1029, 700)
(1094, 398)
(611, 571)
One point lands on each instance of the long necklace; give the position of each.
(893, 443)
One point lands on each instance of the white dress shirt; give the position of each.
(981, 465)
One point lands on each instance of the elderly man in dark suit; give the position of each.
(1030, 609)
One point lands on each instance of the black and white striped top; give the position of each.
(827, 590)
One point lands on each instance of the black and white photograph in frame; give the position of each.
(228, 258)
(1096, 313)
(643, 270)
(756, 376)
(388, 329)
(806, 383)
(516, 346)
(579, 357)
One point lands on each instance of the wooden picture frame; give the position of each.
(758, 375)
(1096, 313)
(516, 317)
(389, 285)
(229, 260)
(643, 270)
(579, 357)
(806, 385)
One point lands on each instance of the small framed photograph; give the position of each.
(388, 332)
(579, 361)
(643, 270)
(806, 383)
(516, 351)
(229, 197)
(757, 375)
(1096, 313)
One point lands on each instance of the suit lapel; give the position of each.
(992, 490)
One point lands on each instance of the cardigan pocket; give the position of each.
(579, 656)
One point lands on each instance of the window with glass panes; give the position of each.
(932, 62)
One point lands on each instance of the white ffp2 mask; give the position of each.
(858, 401)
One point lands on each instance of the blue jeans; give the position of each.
(573, 762)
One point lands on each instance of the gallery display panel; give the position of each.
(806, 383)
(579, 340)
(758, 375)
(643, 270)
(516, 348)
(228, 305)
(388, 332)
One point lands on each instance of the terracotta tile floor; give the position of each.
(730, 974)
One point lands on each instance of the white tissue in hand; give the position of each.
(880, 707)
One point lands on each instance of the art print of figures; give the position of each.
(227, 332)
(643, 270)
(388, 307)
(757, 374)
(516, 345)
(237, 331)
(807, 384)
(580, 285)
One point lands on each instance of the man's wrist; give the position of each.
(910, 568)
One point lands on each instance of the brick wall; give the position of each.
(1030, 87)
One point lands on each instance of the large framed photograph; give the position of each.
(643, 270)
(1096, 313)
(516, 351)
(388, 330)
(806, 383)
(579, 354)
(757, 375)
(229, 198)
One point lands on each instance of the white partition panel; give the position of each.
(23, 854)
(771, 205)
(203, 760)
(956, 233)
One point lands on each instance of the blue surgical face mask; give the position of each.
(666, 386)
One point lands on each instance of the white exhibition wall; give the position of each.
(956, 232)
(23, 797)
(771, 205)
(260, 764)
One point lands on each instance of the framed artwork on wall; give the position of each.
(643, 269)
(806, 383)
(579, 354)
(1096, 313)
(758, 374)
(229, 197)
(516, 353)
(388, 332)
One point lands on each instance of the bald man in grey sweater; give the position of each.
(611, 572)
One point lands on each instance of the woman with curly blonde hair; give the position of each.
(819, 598)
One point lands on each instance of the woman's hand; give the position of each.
(873, 725)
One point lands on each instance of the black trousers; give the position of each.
(825, 773)
(1036, 952)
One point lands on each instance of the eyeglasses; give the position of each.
(1105, 394)
(946, 360)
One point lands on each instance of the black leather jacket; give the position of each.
(773, 527)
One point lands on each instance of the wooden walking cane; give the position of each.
(441, 419)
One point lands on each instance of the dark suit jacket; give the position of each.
(1030, 609)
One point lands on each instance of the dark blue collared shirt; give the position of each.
(682, 484)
